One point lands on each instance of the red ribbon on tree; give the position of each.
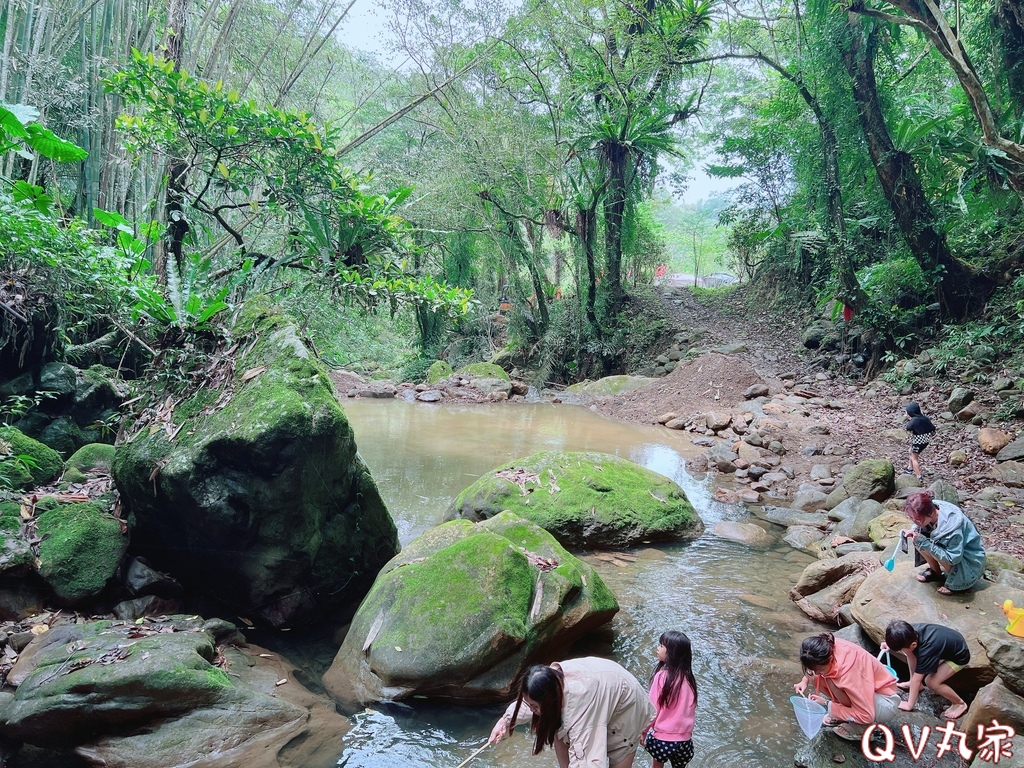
(847, 312)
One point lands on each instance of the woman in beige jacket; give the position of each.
(591, 710)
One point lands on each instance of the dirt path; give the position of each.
(821, 421)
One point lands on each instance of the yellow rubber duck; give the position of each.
(1016, 618)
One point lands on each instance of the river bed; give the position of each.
(730, 599)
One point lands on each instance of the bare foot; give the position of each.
(944, 590)
(955, 711)
(903, 686)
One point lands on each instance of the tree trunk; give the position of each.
(902, 188)
(586, 224)
(616, 158)
(174, 201)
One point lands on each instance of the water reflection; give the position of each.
(731, 600)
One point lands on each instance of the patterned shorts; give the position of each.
(678, 753)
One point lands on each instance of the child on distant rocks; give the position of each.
(934, 654)
(921, 430)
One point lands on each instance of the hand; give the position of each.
(884, 646)
(910, 535)
(801, 686)
(499, 731)
(818, 699)
(906, 706)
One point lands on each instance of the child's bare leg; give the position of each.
(915, 465)
(937, 682)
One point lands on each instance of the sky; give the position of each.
(365, 28)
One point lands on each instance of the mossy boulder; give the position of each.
(261, 489)
(462, 610)
(609, 385)
(136, 696)
(92, 458)
(483, 371)
(584, 499)
(871, 479)
(80, 547)
(438, 371)
(24, 461)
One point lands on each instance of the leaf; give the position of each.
(252, 373)
(48, 144)
(11, 123)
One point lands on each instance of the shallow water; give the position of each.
(730, 600)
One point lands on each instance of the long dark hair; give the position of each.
(677, 666)
(543, 685)
(817, 650)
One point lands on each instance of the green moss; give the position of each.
(609, 385)
(80, 548)
(439, 370)
(218, 677)
(484, 371)
(586, 499)
(91, 456)
(45, 462)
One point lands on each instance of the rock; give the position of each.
(1002, 383)
(140, 579)
(821, 472)
(135, 696)
(583, 499)
(871, 479)
(718, 420)
(855, 546)
(885, 595)
(491, 387)
(1005, 653)
(676, 424)
(665, 418)
(520, 388)
(959, 398)
(813, 336)
(429, 396)
(611, 385)
(809, 500)
(42, 463)
(826, 585)
(94, 457)
(788, 517)
(269, 506)
(992, 440)
(80, 548)
(1012, 451)
(945, 491)
(997, 561)
(483, 371)
(749, 496)
(994, 702)
(803, 537)
(887, 526)
(836, 497)
(856, 526)
(1010, 473)
(755, 390)
(846, 508)
(969, 412)
(58, 378)
(438, 371)
(777, 448)
(957, 458)
(744, 533)
(735, 348)
(462, 610)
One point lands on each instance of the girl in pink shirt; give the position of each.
(674, 695)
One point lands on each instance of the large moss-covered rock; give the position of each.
(80, 547)
(257, 496)
(609, 385)
(438, 371)
(584, 500)
(484, 371)
(462, 610)
(871, 479)
(25, 461)
(136, 696)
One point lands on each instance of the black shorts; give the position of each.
(678, 753)
(918, 448)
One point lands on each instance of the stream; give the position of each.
(730, 599)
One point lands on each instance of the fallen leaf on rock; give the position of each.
(38, 629)
(252, 373)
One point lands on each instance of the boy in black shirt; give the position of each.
(921, 430)
(934, 654)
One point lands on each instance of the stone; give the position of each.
(816, 429)
(825, 585)
(753, 438)
(429, 396)
(665, 418)
(611, 385)
(493, 386)
(58, 378)
(777, 448)
(1012, 451)
(994, 701)
(944, 490)
(520, 389)
(438, 371)
(272, 511)
(992, 440)
(44, 463)
(997, 561)
(803, 537)
(820, 472)
(483, 371)
(755, 390)
(156, 698)
(959, 398)
(748, 496)
(462, 609)
(814, 336)
(788, 517)
(887, 526)
(743, 533)
(957, 458)
(94, 457)
(676, 423)
(836, 497)
(885, 595)
(1009, 473)
(855, 526)
(718, 420)
(735, 348)
(809, 500)
(1005, 653)
(1002, 383)
(871, 479)
(583, 499)
(968, 413)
